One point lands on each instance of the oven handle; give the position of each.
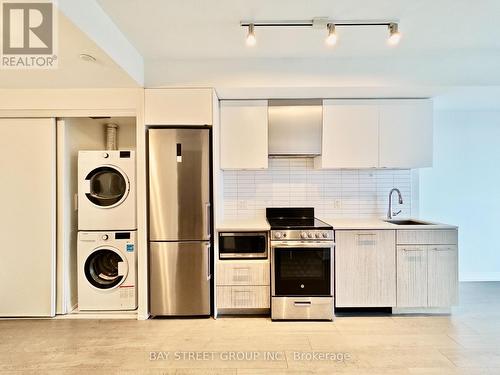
(302, 244)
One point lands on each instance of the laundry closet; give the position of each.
(96, 264)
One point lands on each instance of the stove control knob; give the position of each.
(325, 234)
(318, 235)
(310, 235)
(105, 155)
(278, 234)
(303, 235)
(105, 237)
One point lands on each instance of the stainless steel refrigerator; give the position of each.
(179, 221)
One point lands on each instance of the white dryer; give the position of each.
(106, 190)
(107, 271)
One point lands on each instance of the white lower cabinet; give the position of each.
(428, 274)
(243, 285)
(365, 268)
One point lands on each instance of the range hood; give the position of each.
(295, 128)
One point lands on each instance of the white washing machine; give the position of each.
(107, 271)
(106, 190)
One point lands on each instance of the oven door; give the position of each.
(302, 268)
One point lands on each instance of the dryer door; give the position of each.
(105, 268)
(108, 186)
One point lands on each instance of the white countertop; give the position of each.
(243, 225)
(261, 224)
(353, 223)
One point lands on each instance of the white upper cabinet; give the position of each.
(178, 106)
(406, 133)
(244, 134)
(350, 134)
(378, 133)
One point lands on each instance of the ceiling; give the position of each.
(72, 72)
(200, 42)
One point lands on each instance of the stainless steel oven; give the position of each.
(241, 245)
(302, 279)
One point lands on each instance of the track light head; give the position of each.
(394, 34)
(251, 39)
(331, 39)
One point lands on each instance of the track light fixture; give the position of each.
(322, 22)
(251, 39)
(331, 39)
(394, 34)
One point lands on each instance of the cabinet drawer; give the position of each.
(243, 273)
(243, 297)
(427, 237)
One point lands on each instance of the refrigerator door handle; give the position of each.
(207, 220)
(209, 263)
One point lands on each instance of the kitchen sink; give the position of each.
(407, 222)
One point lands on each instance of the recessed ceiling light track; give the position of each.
(321, 22)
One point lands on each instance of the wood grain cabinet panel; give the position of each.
(427, 237)
(443, 276)
(243, 273)
(411, 276)
(365, 268)
(243, 297)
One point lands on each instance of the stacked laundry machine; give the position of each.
(107, 252)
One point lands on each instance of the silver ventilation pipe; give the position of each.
(111, 136)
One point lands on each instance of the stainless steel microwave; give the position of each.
(243, 245)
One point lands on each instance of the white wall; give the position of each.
(333, 193)
(463, 187)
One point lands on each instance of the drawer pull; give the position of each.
(241, 274)
(442, 248)
(302, 303)
(413, 249)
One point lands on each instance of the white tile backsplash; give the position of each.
(333, 193)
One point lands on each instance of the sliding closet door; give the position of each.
(27, 217)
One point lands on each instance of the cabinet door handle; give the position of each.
(207, 219)
(209, 262)
(366, 234)
(442, 248)
(413, 249)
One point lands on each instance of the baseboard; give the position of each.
(75, 314)
(238, 311)
(421, 310)
(479, 276)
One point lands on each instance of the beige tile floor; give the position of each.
(467, 342)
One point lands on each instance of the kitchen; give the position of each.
(292, 222)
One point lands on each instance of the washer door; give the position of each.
(108, 186)
(105, 268)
